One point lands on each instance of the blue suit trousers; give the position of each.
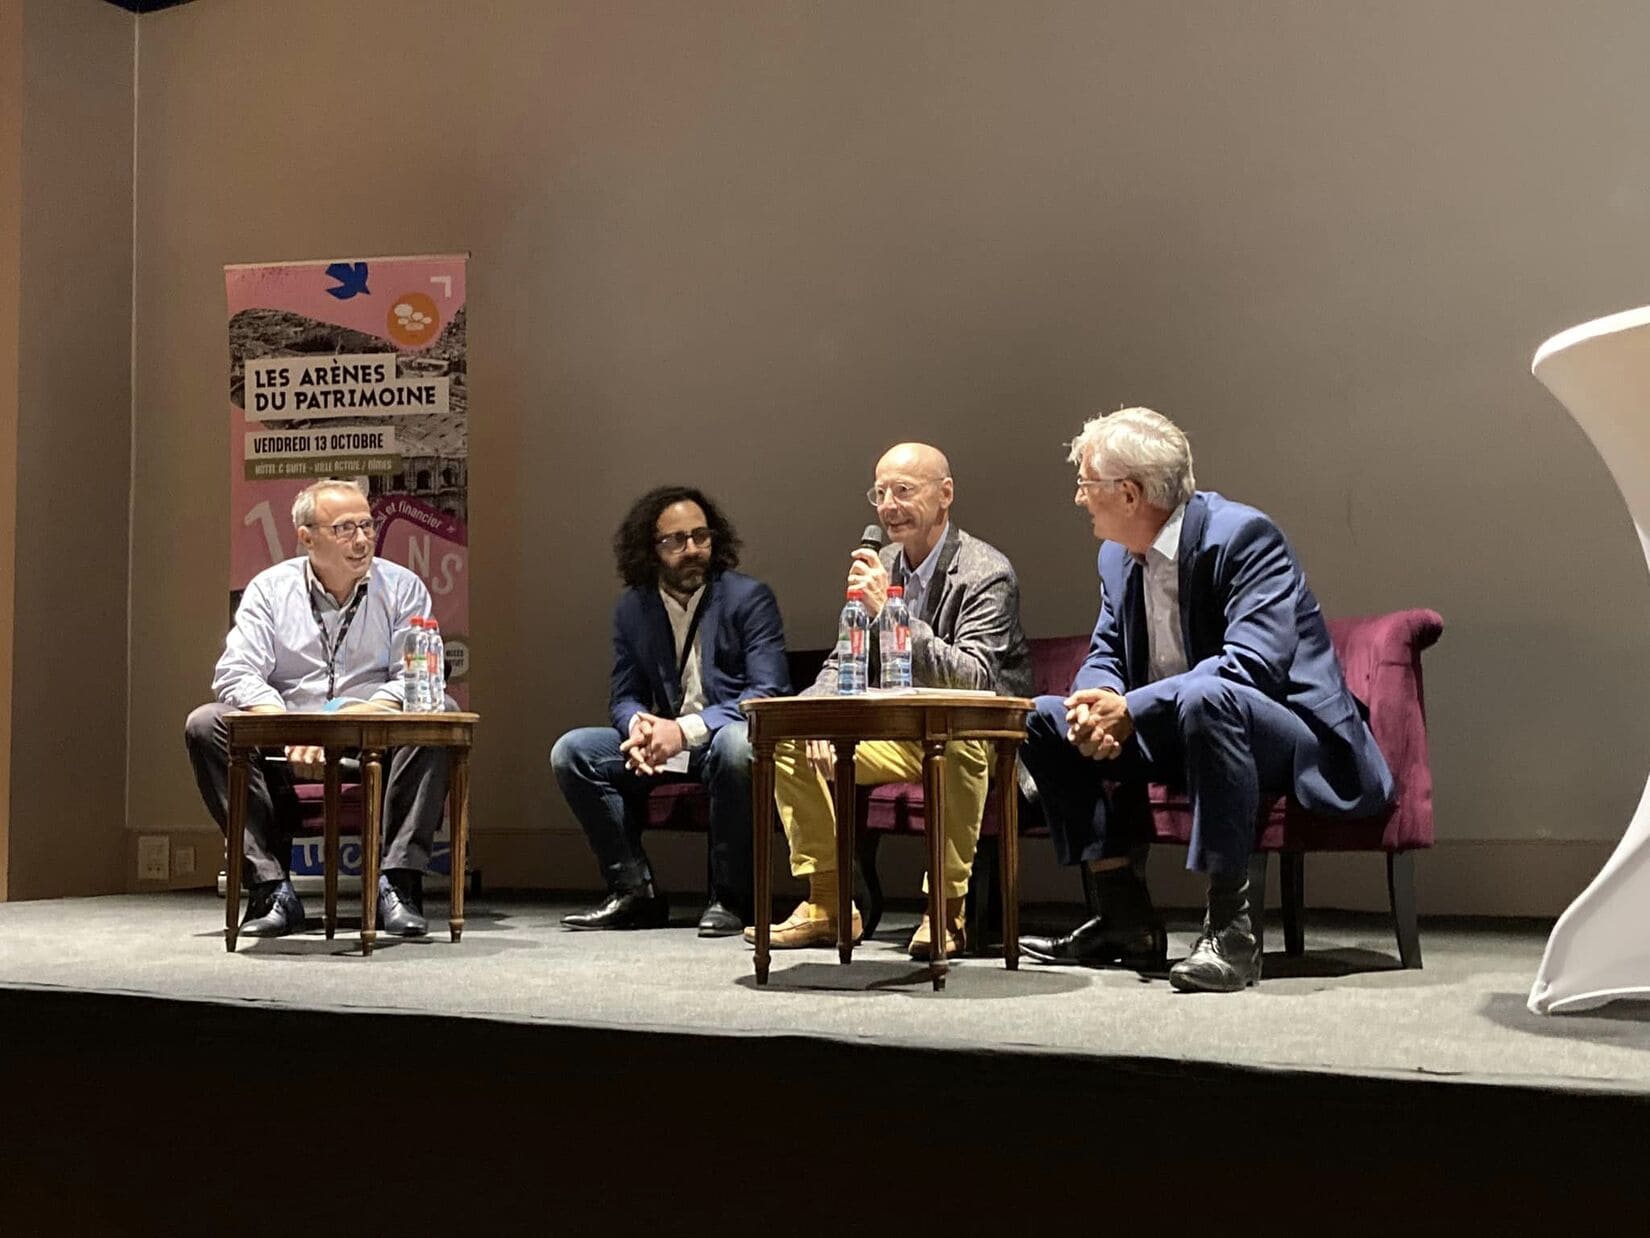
(1225, 743)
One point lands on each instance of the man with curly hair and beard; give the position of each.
(692, 638)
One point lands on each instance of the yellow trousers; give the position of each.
(806, 808)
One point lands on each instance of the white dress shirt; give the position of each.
(1162, 573)
(694, 731)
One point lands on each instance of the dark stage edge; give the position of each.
(153, 1113)
(150, 1116)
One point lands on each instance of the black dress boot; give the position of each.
(1126, 933)
(273, 909)
(401, 903)
(1226, 956)
(641, 908)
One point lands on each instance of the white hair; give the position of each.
(1142, 446)
(303, 507)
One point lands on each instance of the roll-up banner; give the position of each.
(355, 368)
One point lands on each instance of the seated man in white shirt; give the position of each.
(321, 631)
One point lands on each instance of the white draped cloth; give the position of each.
(1600, 947)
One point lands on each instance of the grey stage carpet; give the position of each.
(1344, 1007)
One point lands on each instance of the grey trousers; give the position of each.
(414, 795)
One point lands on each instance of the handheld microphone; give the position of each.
(871, 539)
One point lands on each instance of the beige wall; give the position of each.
(73, 449)
(748, 245)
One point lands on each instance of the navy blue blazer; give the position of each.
(741, 652)
(1246, 615)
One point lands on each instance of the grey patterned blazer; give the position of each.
(968, 634)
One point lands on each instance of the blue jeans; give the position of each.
(1224, 742)
(609, 801)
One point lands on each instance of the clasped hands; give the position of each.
(1098, 722)
(652, 742)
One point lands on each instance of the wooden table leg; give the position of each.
(933, 811)
(329, 838)
(1009, 850)
(458, 810)
(372, 771)
(762, 848)
(845, 826)
(235, 844)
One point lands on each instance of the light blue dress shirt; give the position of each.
(917, 580)
(274, 654)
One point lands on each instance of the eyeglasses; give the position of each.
(675, 543)
(899, 491)
(345, 530)
(1084, 483)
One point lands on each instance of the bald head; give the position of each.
(914, 486)
(915, 459)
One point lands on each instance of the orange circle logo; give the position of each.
(413, 320)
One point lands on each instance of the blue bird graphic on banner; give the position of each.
(351, 277)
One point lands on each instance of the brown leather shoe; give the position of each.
(808, 925)
(956, 934)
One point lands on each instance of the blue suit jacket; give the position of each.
(741, 652)
(1246, 615)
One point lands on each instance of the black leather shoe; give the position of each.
(273, 909)
(1101, 943)
(401, 903)
(1223, 962)
(625, 909)
(720, 920)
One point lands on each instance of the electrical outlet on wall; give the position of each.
(183, 862)
(154, 857)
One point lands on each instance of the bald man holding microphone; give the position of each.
(965, 633)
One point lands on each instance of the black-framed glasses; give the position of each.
(345, 530)
(899, 491)
(675, 543)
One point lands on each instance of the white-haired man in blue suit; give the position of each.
(1210, 668)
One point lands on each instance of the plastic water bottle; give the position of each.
(853, 649)
(438, 666)
(894, 632)
(415, 664)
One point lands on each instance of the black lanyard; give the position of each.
(332, 648)
(687, 645)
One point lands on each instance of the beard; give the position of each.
(684, 577)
